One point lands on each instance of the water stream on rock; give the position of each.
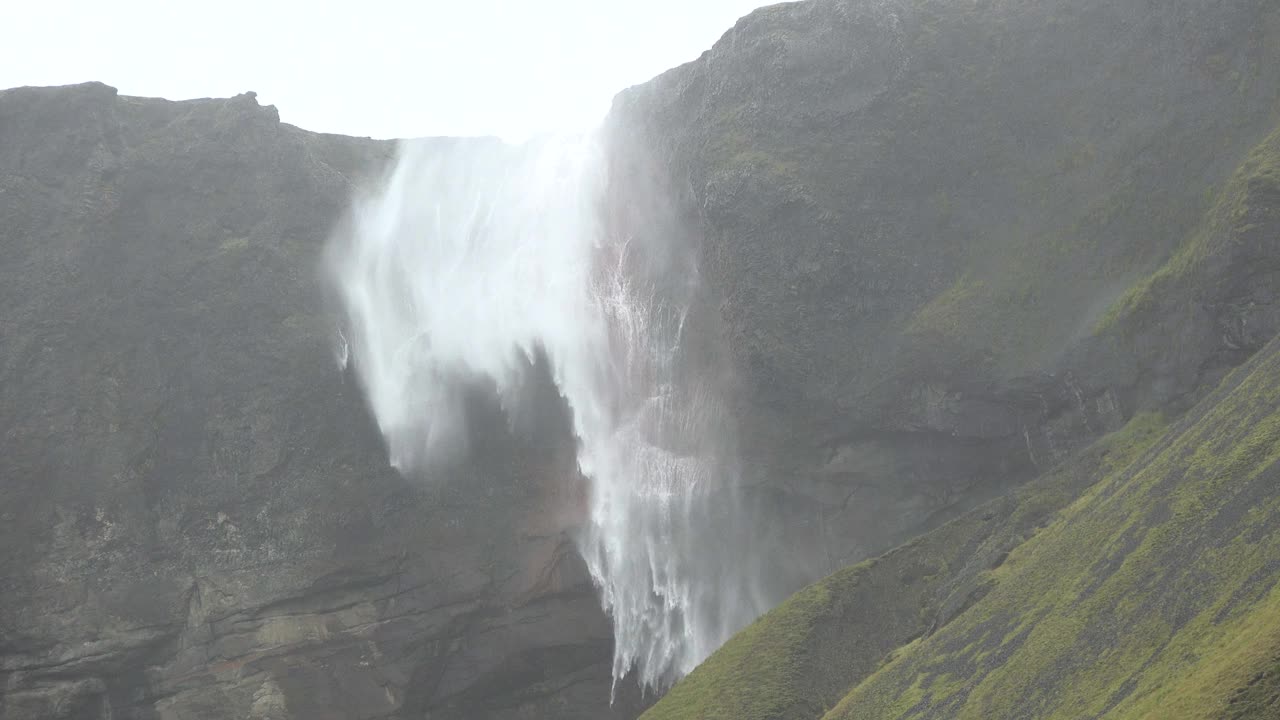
(474, 256)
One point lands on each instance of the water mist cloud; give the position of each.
(475, 256)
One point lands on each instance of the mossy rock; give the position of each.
(1153, 593)
(799, 659)
(1251, 198)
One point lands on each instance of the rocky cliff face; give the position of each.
(945, 245)
(916, 216)
(198, 519)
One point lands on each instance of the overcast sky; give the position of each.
(384, 68)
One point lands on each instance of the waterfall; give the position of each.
(472, 257)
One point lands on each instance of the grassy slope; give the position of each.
(798, 660)
(1017, 291)
(1233, 214)
(1153, 595)
(1044, 634)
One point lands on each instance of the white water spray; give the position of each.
(474, 254)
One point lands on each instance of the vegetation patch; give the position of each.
(1153, 595)
(1137, 580)
(798, 660)
(758, 675)
(1254, 188)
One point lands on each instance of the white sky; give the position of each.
(385, 68)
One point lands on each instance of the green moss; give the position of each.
(758, 675)
(979, 322)
(734, 146)
(1069, 597)
(1016, 288)
(803, 656)
(1154, 595)
(1258, 178)
(949, 313)
(1122, 447)
(233, 245)
(799, 659)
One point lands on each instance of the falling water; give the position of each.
(472, 257)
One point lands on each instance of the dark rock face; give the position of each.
(196, 512)
(915, 214)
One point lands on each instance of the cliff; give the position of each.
(916, 220)
(993, 282)
(199, 520)
(1085, 305)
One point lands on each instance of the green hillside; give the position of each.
(1138, 579)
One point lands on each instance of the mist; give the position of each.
(470, 261)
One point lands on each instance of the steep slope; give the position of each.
(950, 244)
(198, 518)
(1150, 595)
(1154, 595)
(801, 658)
(915, 213)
